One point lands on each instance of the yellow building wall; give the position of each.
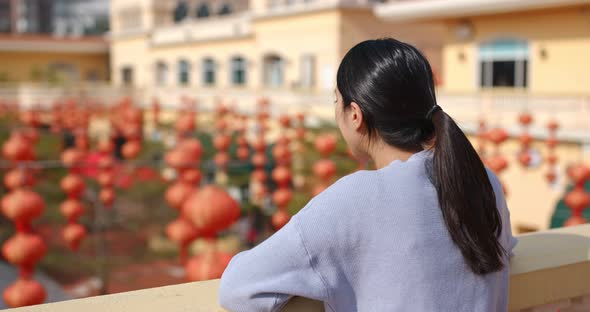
(195, 53)
(293, 36)
(19, 66)
(133, 52)
(563, 33)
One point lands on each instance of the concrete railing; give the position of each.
(549, 272)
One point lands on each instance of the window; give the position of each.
(127, 75)
(203, 11)
(225, 9)
(161, 73)
(503, 63)
(273, 71)
(180, 12)
(208, 72)
(238, 71)
(307, 71)
(183, 72)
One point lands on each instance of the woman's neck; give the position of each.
(383, 154)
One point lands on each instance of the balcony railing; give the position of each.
(211, 28)
(549, 272)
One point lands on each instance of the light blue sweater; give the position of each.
(373, 241)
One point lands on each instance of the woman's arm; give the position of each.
(267, 276)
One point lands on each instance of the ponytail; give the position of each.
(466, 197)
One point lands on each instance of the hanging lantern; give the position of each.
(177, 194)
(577, 199)
(73, 234)
(209, 265)
(211, 209)
(24, 292)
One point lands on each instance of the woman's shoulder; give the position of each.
(348, 191)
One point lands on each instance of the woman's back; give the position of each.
(373, 241)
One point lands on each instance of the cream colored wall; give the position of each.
(293, 36)
(220, 51)
(130, 52)
(19, 65)
(563, 33)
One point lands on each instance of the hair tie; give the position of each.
(432, 110)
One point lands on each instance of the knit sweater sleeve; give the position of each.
(267, 276)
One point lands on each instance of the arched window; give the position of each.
(225, 9)
(161, 73)
(504, 63)
(180, 11)
(203, 10)
(184, 69)
(238, 71)
(208, 72)
(273, 70)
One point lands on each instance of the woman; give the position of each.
(428, 230)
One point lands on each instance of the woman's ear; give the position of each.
(355, 115)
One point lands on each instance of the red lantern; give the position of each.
(190, 176)
(281, 175)
(279, 219)
(24, 249)
(106, 178)
(72, 157)
(259, 160)
(497, 135)
(325, 144)
(107, 196)
(243, 153)
(325, 169)
(211, 209)
(72, 209)
(24, 292)
(192, 147)
(282, 197)
(22, 205)
(221, 142)
(525, 119)
(17, 148)
(131, 149)
(73, 234)
(221, 160)
(73, 185)
(285, 121)
(259, 175)
(181, 231)
(17, 178)
(177, 194)
(209, 265)
(526, 139)
(524, 158)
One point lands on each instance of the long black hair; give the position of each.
(392, 82)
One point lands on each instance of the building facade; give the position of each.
(53, 41)
(245, 48)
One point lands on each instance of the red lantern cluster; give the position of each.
(497, 162)
(577, 199)
(210, 210)
(184, 158)
(282, 177)
(72, 208)
(552, 159)
(526, 139)
(22, 205)
(325, 168)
